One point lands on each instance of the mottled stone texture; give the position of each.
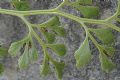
(12, 29)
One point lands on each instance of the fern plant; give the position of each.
(52, 28)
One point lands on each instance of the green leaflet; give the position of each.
(84, 1)
(51, 28)
(51, 22)
(88, 11)
(109, 50)
(54, 25)
(16, 46)
(106, 50)
(50, 37)
(45, 68)
(33, 54)
(29, 55)
(59, 68)
(23, 61)
(105, 35)
(60, 31)
(59, 49)
(118, 19)
(3, 52)
(106, 64)
(1, 69)
(21, 5)
(83, 54)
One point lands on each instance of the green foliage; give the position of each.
(54, 21)
(102, 33)
(86, 11)
(60, 31)
(15, 47)
(21, 5)
(33, 54)
(3, 52)
(108, 50)
(52, 28)
(106, 64)
(29, 55)
(45, 68)
(50, 37)
(1, 69)
(83, 54)
(23, 61)
(59, 49)
(59, 67)
(84, 1)
(118, 19)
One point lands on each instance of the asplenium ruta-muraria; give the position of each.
(3, 53)
(52, 28)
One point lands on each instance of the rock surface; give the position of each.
(12, 29)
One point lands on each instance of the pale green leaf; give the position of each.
(1, 69)
(105, 35)
(59, 49)
(59, 68)
(109, 50)
(89, 11)
(51, 22)
(106, 64)
(86, 11)
(83, 54)
(60, 31)
(16, 46)
(33, 54)
(21, 5)
(50, 37)
(29, 55)
(23, 61)
(51, 28)
(3, 52)
(45, 68)
(118, 19)
(84, 1)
